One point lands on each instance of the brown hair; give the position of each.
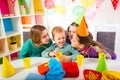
(72, 24)
(35, 33)
(89, 41)
(57, 29)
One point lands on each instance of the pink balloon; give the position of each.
(49, 4)
(90, 14)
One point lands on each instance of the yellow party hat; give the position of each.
(83, 28)
(7, 69)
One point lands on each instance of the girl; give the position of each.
(89, 48)
(71, 31)
(34, 45)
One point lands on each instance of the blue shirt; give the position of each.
(66, 49)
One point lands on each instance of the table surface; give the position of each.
(89, 63)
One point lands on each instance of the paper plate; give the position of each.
(111, 75)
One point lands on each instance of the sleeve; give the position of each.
(46, 51)
(74, 53)
(111, 53)
(25, 50)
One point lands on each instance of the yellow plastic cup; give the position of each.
(26, 62)
(80, 59)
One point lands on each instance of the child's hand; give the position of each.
(52, 54)
(65, 58)
(56, 51)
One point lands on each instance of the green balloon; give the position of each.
(78, 20)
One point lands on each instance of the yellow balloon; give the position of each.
(87, 3)
(59, 9)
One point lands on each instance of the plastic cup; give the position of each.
(80, 59)
(26, 62)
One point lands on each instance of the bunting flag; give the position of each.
(115, 3)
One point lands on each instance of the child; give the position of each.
(83, 42)
(34, 45)
(71, 31)
(60, 45)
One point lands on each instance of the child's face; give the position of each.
(59, 39)
(44, 37)
(72, 31)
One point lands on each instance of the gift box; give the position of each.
(43, 68)
(71, 69)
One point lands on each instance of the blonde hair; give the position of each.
(35, 33)
(57, 29)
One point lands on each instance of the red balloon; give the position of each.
(49, 4)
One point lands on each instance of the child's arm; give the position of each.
(50, 52)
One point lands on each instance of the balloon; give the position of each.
(78, 20)
(87, 3)
(59, 9)
(77, 10)
(50, 11)
(49, 4)
(90, 14)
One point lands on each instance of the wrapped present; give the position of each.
(111, 75)
(92, 74)
(43, 68)
(71, 69)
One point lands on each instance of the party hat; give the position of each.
(83, 28)
(102, 66)
(78, 20)
(7, 68)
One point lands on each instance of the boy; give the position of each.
(60, 45)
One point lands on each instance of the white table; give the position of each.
(89, 63)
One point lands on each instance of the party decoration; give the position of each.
(49, 4)
(114, 3)
(111, 75)
(83, 28)
(78, 10)
(92, 75)
(59, 9)
(7, 69)
(50, 11)
(102, 66)
(80, 17)
(91, 13)
(87, 3)
(71, 69)
(43, 68)
(98, 3)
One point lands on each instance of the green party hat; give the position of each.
(102, 66)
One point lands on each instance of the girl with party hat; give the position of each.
(84, 43)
